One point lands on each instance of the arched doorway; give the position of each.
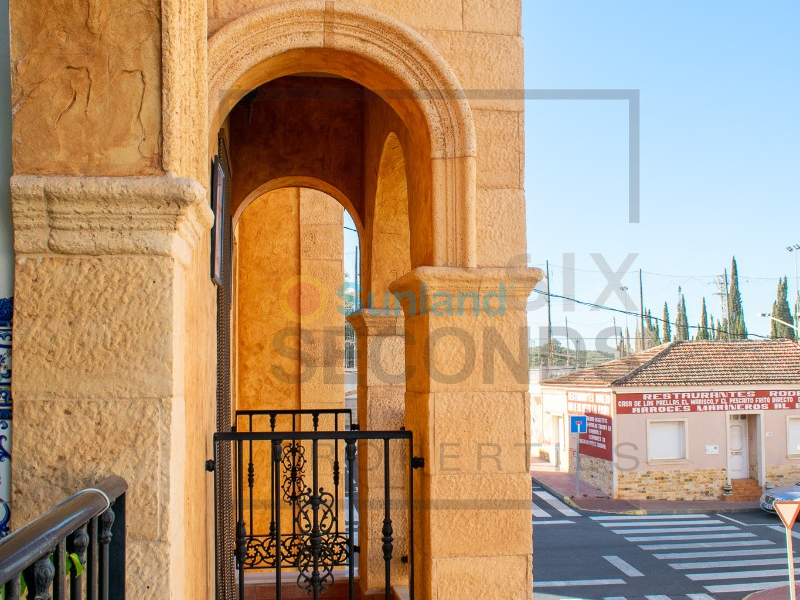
(315, 90)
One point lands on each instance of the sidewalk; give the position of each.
(562, 485)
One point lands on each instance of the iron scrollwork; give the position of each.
(310, 539)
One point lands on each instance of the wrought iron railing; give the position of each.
(77, 544)
(289, 520)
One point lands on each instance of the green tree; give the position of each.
(652, 333)
(682, 322)
(782, 312)
(667, 325)
(702, 332)
(737, 327)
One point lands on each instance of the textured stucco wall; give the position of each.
(87, 87)
(290, 331)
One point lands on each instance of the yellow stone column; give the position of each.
(114, 363)
(381, 406)
(467, 405)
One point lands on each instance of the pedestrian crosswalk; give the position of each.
(549, 510)
(720, 556)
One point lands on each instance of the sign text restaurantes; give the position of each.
(677, 402)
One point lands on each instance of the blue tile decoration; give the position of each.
(6, 317)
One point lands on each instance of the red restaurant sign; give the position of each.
(679, 402)
(596, 441)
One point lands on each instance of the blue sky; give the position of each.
(720, 151)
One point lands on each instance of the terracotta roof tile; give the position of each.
(744, 362)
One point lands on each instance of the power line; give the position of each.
(632, 313)
(661, 274)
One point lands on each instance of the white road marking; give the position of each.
(698, 545)
(676, 529)
(540, 512)
(677, 538)
(557, 504)
(742, 587)
(689, 538)
(657, 597)
(719, 553)
(724, 564)
(782, 529)
(738, 575)
(647, 517)
(734, 520)
(623, 566)
(579, 582)
(661, 523)
(614, 598)
(552, 522)
(700, 597)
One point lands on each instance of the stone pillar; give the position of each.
(114, 360)
(467, 405)
(381, 406)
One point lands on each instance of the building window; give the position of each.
(666, 440)
(793, 434)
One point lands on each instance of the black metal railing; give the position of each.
(301, 526)
(78, 545)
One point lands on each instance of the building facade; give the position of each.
(403, 111)
(683, 421)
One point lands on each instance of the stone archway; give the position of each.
(388, 58)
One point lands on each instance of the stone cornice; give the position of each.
(372, 321)
(519, 281)
(163, 215)
(425, 285)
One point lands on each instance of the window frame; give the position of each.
(685, 425)
(789, 453)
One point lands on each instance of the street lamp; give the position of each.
(769, 316)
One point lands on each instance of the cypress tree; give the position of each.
(722, 329)
(782, 312)
(738, 329)
(667, 325)
(702, 332)
(682, 322)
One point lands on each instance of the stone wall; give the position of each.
(697, 484)
(594, 471)
(783, 474)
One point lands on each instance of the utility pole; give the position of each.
(727, 307)
(549, 323)
(357, 295)
(566, 329)
(616, 339)
(641, 304)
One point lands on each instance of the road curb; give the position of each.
(568, 500)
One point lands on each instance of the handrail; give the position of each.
(22, 548)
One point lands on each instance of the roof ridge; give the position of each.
(658, 355)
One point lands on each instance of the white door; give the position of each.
(738, 447)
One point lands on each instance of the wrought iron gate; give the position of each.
(295, 497)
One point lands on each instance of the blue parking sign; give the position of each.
(577, 424)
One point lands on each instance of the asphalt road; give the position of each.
(581, 555)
